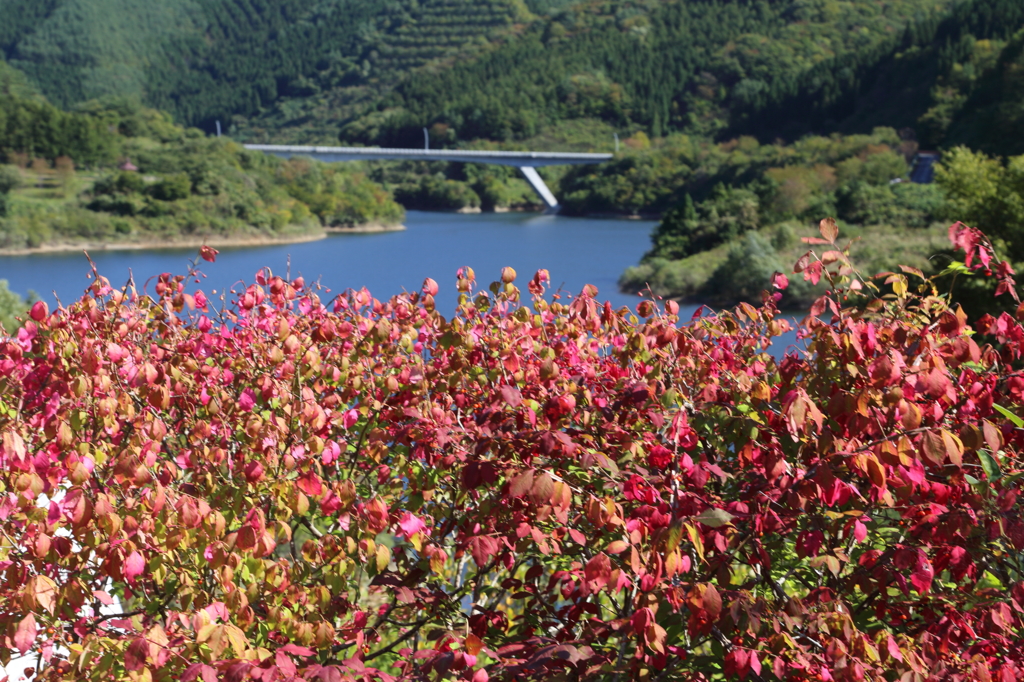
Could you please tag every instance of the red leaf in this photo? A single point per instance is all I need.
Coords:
(482, 547)
(25, 635)
(780, 281)
(208, 253)
(136, 654)
(598, 570)
(813, 272)
(641, 619)
(191, 672)
(310, 484)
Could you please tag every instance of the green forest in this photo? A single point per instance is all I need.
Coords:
(366, 71)
(124, 173)
(741, 122)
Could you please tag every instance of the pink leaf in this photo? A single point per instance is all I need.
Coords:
(893, 648)
(247, 400)
(511, 395)
(780, 281)
(208, 254)
(330, 454)
(134, 565)
(923, 573)
(25, 635)
(296, 650)
(411, 525)
(350, 418)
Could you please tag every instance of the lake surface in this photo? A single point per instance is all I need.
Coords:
(576, 251)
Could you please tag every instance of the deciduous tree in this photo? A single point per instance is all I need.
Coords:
(308, 486)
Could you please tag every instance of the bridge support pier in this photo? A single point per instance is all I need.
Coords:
(537, 183)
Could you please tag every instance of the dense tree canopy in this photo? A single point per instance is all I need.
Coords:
(308, 485)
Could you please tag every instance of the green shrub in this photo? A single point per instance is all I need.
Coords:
(437, 192)
(172, 188)
(747, 271)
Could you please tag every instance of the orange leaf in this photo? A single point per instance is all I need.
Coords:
(473, 644)
(712, 601)
(828, 229)
(876, 472)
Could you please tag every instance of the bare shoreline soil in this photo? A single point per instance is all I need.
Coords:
(218, 242)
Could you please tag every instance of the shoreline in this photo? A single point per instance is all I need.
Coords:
(195, 243)
(366, 228)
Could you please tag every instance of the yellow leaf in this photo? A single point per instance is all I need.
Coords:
(237, 638)
(696, 539)
(383, 557)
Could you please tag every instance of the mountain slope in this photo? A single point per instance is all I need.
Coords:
(199, 59)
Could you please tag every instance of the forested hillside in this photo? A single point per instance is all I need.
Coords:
(377, 72)
(203, 60)
(127, 174)
(659, 66)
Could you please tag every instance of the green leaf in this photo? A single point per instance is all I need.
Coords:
(1014, 419)
(956, 268)
(1013, 478)
(714, 517)
(990, 465)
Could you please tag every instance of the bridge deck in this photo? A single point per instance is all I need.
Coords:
(518, 159)
(526, 162)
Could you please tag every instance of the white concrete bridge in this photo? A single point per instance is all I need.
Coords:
(526, 162)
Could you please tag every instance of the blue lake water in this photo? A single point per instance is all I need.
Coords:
(576, 251)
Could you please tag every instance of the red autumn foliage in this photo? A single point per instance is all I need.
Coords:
(294, 488)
